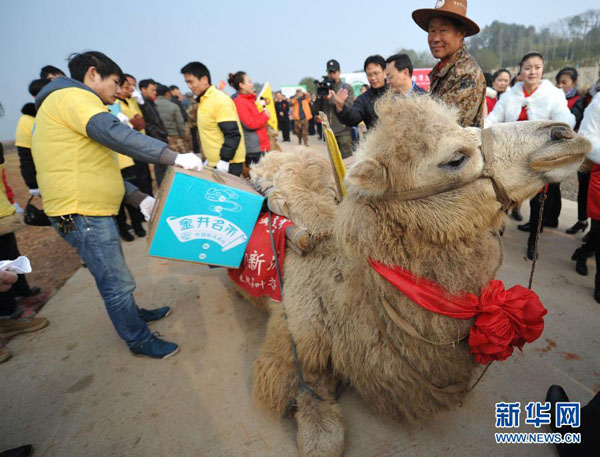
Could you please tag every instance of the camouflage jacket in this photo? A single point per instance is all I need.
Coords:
(460, 82)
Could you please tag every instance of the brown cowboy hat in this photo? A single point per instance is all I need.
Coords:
(455, 9)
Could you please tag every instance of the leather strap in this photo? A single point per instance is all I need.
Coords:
(487, 152)
(449, 389)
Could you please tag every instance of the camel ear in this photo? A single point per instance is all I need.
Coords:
(368, 177)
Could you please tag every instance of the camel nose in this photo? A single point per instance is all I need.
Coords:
(562, 133)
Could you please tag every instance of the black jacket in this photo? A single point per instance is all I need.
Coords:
(154, 124)
(282, 108)
(363, 109)
(577, 111)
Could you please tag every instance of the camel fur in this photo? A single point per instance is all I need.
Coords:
(333, 298)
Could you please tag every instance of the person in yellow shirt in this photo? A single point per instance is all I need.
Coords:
(23, 137)
(75, 142)
(219, 126)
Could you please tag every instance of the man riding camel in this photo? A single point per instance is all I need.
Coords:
(456, 79)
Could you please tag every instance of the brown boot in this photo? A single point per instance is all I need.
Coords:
(12, 327)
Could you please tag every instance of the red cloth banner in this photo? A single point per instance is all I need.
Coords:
(503, 318)
(257, 273)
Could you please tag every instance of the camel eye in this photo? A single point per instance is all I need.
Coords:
(455, 163)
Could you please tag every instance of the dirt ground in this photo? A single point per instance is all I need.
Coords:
(52, 260)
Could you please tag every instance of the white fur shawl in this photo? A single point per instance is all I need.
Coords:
(590, 128)
(547, 103)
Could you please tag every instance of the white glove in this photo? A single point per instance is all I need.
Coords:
(146, 207)
(18, 208)
(189, 161)
(223, 166)
(35, 192)
(124, 119)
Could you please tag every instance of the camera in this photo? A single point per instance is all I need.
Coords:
(324, 86)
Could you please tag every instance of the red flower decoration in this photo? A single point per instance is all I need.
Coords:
(503, 318)
(507, 318)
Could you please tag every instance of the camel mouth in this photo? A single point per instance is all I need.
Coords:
(556, 161)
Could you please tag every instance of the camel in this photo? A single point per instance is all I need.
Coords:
(333, 300)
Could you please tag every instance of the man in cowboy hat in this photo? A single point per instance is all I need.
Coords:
(456, 79)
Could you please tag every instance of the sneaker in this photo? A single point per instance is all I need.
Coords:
(155, 347)
(12, 327)
(152, 315)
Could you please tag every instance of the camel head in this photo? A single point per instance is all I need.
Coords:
(418, 150)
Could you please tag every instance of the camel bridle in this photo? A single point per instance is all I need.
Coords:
(487, 154)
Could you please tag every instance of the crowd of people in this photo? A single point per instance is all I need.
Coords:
(97, 131)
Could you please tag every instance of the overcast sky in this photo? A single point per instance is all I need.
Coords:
(279, 41)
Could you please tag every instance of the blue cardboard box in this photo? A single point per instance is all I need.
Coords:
(205, 217)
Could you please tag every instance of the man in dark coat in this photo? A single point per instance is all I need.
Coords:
(363, 108)
(282, 106)
(154, 125)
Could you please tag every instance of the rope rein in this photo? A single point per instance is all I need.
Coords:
(302, 386)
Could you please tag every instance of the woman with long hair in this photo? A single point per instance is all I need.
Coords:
(254, 122)
(534, 99)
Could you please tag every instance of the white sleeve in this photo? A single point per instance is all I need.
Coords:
(590, 129)
(561, 111)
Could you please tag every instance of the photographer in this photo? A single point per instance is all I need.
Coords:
(364, 106)
(301, 113)
(326, 91)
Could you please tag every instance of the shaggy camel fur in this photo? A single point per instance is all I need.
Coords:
(333, 297)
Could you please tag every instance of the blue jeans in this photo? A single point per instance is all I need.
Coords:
(96, 239)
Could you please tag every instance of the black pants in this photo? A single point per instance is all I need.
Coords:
(553, 204)
(582, 195)
(142, 177)
(590, 424)
(10, 251)
(284, 126)
(159, 173)
(593, 246)
(552, 208)
(136, 216)
(311, 126)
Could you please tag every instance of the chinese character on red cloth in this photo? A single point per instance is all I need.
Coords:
(257, 274)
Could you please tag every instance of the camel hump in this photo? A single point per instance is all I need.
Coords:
(300, 186)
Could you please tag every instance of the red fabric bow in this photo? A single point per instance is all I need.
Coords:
(503, 318)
